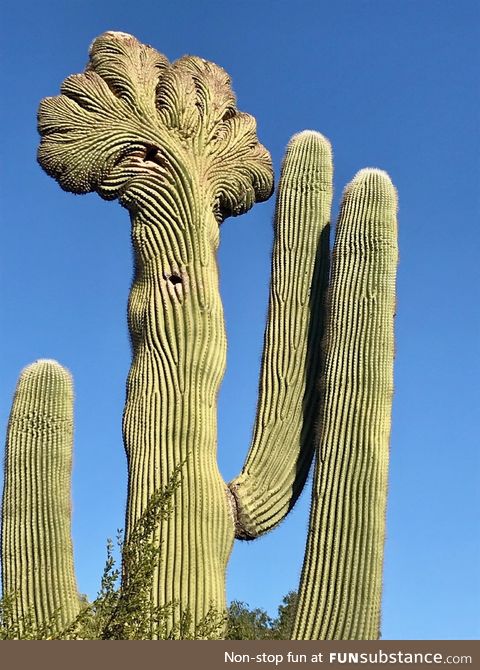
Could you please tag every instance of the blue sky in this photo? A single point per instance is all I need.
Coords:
(393, 84)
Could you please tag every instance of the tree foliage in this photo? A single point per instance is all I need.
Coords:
(256, 624)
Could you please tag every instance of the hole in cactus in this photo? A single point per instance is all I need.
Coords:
(151, 154)
(154, 155)
(175, 279)
(229, 112)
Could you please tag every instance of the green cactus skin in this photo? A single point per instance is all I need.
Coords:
(283, 440)
(37, 554)
(341, 582)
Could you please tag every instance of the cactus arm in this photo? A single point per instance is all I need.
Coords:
(341, 582)
(171, 146)
(36, 547)
(283, 440)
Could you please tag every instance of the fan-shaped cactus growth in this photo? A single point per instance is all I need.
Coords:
(167, 141)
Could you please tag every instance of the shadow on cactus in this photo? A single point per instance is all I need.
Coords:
(168, 142)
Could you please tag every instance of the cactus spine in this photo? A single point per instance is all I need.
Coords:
(37, 555)
(167, 141)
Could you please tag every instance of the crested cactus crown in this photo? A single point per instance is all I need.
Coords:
(133, 116)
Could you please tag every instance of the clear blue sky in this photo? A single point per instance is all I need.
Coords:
(393, 84)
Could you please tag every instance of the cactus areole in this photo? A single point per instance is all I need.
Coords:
(168, 142)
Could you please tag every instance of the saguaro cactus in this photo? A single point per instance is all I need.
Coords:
(37, 555)
(167, 141)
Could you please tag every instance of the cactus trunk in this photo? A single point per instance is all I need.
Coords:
(179, 349)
